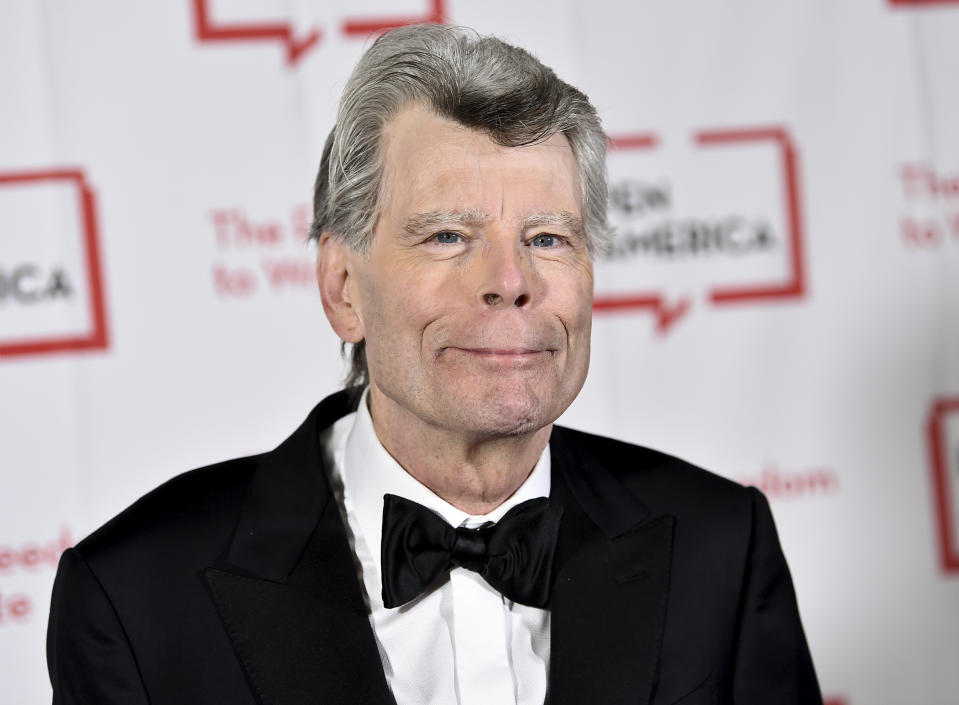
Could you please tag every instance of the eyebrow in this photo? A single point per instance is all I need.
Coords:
(470, 217)
(571, 221)
(418, 222)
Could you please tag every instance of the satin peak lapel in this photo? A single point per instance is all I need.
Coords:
(610, 587)
(295, 616)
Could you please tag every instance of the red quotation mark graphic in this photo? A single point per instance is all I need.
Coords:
(364, 27)
(666, 314)
(939, 459)
(208, 30)
(794, 286)
(97, 338)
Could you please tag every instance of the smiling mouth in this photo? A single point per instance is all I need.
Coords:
(503, 351)
(503, 356)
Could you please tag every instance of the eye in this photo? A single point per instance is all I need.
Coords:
(447, 238)
(545, 240)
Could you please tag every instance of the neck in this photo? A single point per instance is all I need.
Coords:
(474, 473)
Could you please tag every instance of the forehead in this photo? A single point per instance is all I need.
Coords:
(434, 164)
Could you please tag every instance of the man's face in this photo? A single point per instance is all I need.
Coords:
(475, 298)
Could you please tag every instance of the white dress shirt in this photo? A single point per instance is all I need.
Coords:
(462, 643)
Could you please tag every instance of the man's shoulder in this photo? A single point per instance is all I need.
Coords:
(659, 479)
(194, 511)
(199, 509)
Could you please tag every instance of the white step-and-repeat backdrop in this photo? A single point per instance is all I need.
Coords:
(781, 304)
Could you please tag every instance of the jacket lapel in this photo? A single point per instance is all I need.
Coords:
(286, 587)
(610, 587)
(287, 593)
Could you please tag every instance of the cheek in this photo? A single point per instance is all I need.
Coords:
(398, 304)
(574, 296)
(585, 295)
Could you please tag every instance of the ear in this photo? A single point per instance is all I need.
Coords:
(335, 263)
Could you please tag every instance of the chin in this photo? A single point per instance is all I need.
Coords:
(503, 409)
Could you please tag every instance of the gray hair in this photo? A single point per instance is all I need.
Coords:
(479, 82)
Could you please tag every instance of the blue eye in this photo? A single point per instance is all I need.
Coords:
(447, 238)
(544, 240)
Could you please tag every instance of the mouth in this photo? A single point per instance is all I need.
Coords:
(507, 357)
(504, 351)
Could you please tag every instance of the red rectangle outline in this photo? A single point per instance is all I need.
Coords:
(942, 499)
(98, 337)
(795, 286)
(208, 30)
(666, 313)
(356, 27)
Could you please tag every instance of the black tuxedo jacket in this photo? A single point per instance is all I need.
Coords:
(235, 584)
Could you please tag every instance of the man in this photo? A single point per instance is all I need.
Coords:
(399, 546)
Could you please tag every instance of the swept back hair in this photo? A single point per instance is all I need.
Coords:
(479, 82)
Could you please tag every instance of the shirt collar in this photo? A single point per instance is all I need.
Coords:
(369, 472)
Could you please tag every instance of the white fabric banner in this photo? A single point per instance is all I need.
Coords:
(780, 304)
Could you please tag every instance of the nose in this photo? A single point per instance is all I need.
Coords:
(506, 278)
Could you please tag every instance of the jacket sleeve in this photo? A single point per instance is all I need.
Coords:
(88, 654)
(772, 664)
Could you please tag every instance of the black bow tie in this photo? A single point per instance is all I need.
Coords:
(515, 555)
